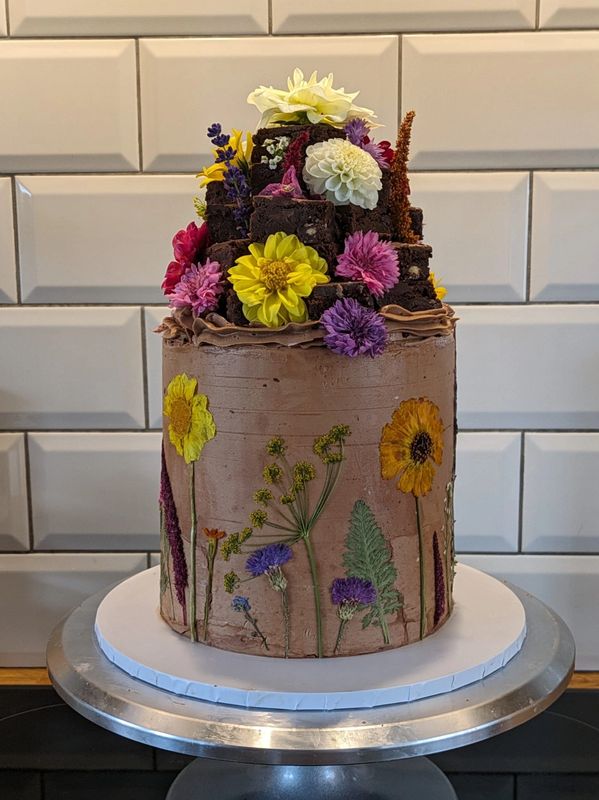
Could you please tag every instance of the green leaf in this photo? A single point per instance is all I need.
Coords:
(368, 556)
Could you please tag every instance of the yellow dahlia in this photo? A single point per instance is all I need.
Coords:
(410, 443)
(191, 425)
(440, 291)
(272, 280)
(243, 155)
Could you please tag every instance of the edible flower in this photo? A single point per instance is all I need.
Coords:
(353, 330)
(199, 288)
(191, 425)
(343, 173)
(369, 259)
(289, 186)
(241, 154)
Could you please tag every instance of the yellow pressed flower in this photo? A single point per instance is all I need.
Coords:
(191, 424)
(440, 291)
(410, 443)
(272, 280)
(243, 155)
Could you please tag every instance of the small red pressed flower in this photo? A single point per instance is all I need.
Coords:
(214, 533)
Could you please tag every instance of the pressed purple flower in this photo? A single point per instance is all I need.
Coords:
(199, 288)
(366, 258)
(173, 532)
(268, 558)
(242, 604)
(356, 591)
(353, 330)
(439, 582)
(357, 130)
(289, 186)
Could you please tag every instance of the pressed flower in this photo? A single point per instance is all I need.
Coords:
(258, 518)
(231, 582)
(368, 259)
(440, 291)
(191, 425)
(173, 533)
(353, 330)
(288, 187)
(268, 558)
(410, 444)
(272, 473)
(439, 581)
(343, 173)
(303, 472)
(199, 288)
(242, 153)
(307, 101)
(276, 446)
(350, 594)
(242, 605)
(272, 280)
(263, 496)
(232, 544)
(214, 533)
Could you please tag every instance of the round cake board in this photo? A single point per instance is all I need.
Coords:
(486, 629)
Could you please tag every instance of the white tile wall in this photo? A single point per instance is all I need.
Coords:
(8, 277)
(503, 100)
(14, 520)
(353, 16)
(528, 366)
(478, 224)
(153, 318)
(119, 229)
(71, 368)
(565, 236)
(37, 590)
(569, 14)
(3, 30)
(68, 511)
(561, 502)
(144, 17)
(569, 584)
(211, 78)
(90, 87)
(487, 492)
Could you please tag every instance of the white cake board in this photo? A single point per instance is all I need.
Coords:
(486, 629)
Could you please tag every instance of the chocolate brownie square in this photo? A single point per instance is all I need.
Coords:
(417, 220)
(326, 295)
(235, 309)
(220, 218)
(413, 296)
(352, 218)
(227, 253)
(413, 260)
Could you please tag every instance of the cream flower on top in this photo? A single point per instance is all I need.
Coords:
(343, 173)
(308, 101)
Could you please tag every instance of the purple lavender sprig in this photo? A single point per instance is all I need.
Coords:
(216, 135)
(235, 182)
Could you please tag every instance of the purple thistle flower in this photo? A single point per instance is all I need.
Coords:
(356, 591)
(268, 558)
(242, 604)
(439, 582)
(173, 532)
(369, 259)
(357, 130)
(199, 288)
(353, 330)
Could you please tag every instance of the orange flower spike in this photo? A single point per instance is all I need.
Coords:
(399, 192)
(214, 533)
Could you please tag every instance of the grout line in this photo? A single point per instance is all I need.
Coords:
(529, 238)
(538, 15)
(7, 14)
(270, 33)
(462, 430)
(521, 492)
(144, 357)
(399, 85)
(112, 551)
(505, 304)
(29, 492)
(17, 249)
(138, 90)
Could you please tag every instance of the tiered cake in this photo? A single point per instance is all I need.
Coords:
(309, 393)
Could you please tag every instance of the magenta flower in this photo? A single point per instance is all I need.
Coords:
(289, 186)
(357, 131)
(366, 258)
(199, 288)
(353, 330)
(188, 242)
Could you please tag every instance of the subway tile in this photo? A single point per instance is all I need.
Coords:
(3, 26)
(77, 367)
(153, 318)
(565, 236)
(144, 17)
(487, 492)
(569, 14)
(92, 124)
(173, 71)
(123, 226)
(502, 100)
(68, 511)
(477, 224)
(568, 584)
(38, 589)
(14, 519)
(352, 16)
(561, 504)
(8, 278)
(527, 366)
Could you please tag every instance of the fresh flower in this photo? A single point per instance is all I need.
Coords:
(191, 424)
(440, 291)
(353, 330)
(410, 443)
(241, 154)
(268, 559)
(199, 288)
(272, 280)
(307, 101)
(343, 173)
(357, 131)
(189, 246)
(366, 258)
(289, 186)
(351, 593)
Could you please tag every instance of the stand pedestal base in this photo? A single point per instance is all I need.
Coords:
(407, 779)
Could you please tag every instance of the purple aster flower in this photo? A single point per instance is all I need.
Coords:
(268, 558)
(173, 533)
(240, 603)
(199, 288)
(357, 130)
(289, 186)
(353, 330)
(356, 591)
(366, 258)
(378, 150)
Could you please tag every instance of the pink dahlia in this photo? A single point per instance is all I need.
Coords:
(366, 258)
(188, 243)
(199, 288)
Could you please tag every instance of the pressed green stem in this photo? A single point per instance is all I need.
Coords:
(254, 625)
(340, 634)
(192, 554)
(383, 624)
(422, 570)
(212, 548)
(316, 590)
(285, 604)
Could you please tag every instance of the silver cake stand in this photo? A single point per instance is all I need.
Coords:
(364, 754)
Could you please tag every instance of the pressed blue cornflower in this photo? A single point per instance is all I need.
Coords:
(352, 590)
(268, 558)
(240, 603)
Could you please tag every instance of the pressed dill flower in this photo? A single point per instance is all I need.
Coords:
(258, 518)
(287, 499)
(231, 582)
(272, 473)
(339, 433)
(276, 446)
(303, 472)
(263, 496)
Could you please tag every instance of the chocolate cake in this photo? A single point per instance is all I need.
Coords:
(308, 456)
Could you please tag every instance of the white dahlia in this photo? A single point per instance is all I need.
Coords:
(343, 173)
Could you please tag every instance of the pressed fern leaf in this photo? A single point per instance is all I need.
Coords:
(367, 556)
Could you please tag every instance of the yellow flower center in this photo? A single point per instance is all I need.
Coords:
(274, 275)
(421, 447)
(181, 417)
